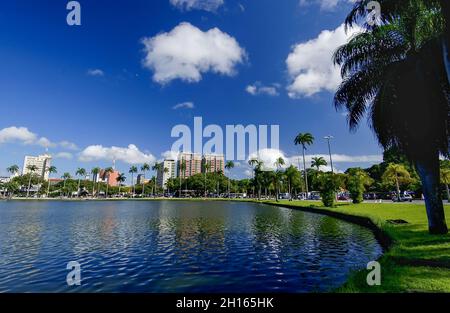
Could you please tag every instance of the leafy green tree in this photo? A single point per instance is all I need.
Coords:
(328, 184)
(357, 182)
(304, 139)
(395, 71)
(50, 170)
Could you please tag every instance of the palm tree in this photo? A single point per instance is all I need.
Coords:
(144, 168)
(304, 139)
(133, 170)
(94, 173)
(13, 169)
(206, 167)
(120, 180)
(65, 177)
(50, 170)
(182, 169)
(254, 162)
(166, 170)
(279, 163)
(157, 167)
(108, 172)
(395, 72)
(31, 169)
(445, 179)
(317, 162)
(81, 172)
(397, 174)
(229, 166)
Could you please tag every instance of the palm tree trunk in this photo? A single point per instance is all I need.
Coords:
(78, 190)
(48, 188)
(398, 186)
(305, 173)
(29, 186)
(429, 175)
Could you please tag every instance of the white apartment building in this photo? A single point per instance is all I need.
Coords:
(42, 162)
(163, 176)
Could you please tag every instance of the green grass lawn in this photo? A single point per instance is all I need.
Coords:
(416, 262)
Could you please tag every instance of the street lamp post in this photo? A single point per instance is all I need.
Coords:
(328, 139)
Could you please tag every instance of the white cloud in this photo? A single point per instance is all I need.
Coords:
(206, 5)
(45, 142)
(268, 157)
(130, 154)
(95, 72)
(68, 145)
(187, 52)
(310, 65)
(63, 155)
(259, 89)
(184, 105)
(17, 134)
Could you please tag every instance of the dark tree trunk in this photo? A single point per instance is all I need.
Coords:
(430, 176)
(446, 40)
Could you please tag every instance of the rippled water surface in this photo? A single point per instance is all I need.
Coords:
(176, 247)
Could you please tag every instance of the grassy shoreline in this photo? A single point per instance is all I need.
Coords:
(413, 261)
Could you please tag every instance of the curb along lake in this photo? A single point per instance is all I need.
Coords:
(176, 246)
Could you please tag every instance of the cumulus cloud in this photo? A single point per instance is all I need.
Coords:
(23, 135)
(95, 72)
(186, 52)
(310, 65)
(129, 155)
(268, 157)
(184, 105)
(206, 5)
(68, 145)
(63, 155)
(259, 89)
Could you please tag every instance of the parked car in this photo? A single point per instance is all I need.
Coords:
(403, 198)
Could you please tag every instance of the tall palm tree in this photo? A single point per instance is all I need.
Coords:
(157, 167)
(166, 170)
(229, 165)
(254, 162)
(65, 177)
(304, 139)
(182, 169)
(279, 163)
(31, 169)
(397, 174)
(81, 172)
(317, 162)
(395, 72)
(206, 167)
(108, 171)
(120, 180)
(50, 170)
(144, 168)
(133, 170)
(94, 173)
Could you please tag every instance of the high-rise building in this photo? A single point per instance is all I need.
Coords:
(164, 175)
(215, 162)
(42, 163)
(193, 164)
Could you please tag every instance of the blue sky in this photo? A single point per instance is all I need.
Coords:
(90, 85)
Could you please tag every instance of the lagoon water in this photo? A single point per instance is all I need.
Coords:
(176, 246)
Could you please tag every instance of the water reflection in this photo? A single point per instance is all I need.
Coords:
(176, 247)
